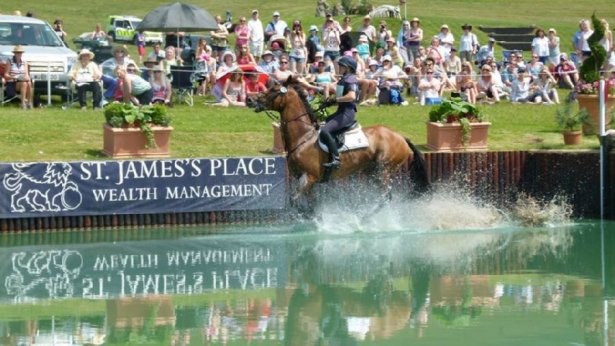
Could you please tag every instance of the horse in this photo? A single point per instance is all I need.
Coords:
(387, 152)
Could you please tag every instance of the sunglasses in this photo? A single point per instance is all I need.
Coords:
(157, 71)
(242, 21)
(283, 62)
(131, 70)
(429, 72)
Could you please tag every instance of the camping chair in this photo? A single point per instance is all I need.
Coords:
(182, 83)
(7, 89)
(506, 55)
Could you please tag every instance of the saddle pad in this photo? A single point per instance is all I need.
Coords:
(354, 139)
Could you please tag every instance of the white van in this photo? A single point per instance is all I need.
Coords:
(46, 54)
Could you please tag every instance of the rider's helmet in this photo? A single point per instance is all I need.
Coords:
(348, 62)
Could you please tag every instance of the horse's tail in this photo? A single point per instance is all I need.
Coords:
(418, 170)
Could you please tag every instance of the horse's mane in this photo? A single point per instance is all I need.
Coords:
(306, 104)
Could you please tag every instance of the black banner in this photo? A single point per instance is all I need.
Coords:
(140, 187)
(132, 269)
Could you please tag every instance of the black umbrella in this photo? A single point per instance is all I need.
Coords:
(178, 17)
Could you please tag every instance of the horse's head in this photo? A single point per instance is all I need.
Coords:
(275, 97)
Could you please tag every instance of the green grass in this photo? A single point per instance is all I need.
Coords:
(200, 131)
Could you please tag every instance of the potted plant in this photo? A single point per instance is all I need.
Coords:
(456, 124)
(587, 88)
(131, 131)
(570, 122)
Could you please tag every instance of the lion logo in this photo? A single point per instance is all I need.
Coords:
(46, 191)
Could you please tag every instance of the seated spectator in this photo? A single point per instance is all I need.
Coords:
(276, 49)
(156, 53)
(486, 85)
(161, 86)
(544, 85)
(520, 90)
(372, 68)
(508, 75)
(390, 74)
(170, 59)
(415, 75)
(17, 75)
(429, 87)
(119, 59)
(268, 62)
(99, 33)
(324, 79)
(422, 53)
(466, 87)
(452, 64)
(393, 51)
(233, 91)
(146, 72)
(380, 53)
(86, 76)
(282, 73)
(566, 73)
(227, 62)
(253, 88)
(534, 66)
(520, 61)
(134, 89)
(497, 81)
(244, 57)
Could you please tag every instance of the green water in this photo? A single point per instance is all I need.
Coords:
(267, 286)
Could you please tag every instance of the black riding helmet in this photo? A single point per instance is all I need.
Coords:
(348, 62)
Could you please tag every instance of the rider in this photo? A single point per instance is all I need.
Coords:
(346, 98)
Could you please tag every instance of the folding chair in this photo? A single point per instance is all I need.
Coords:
(506, 55)
(7, 92)
(182, 83)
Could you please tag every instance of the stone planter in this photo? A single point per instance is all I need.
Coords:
(592, 104)
(573, 137)
(131, 142)
(448, 136)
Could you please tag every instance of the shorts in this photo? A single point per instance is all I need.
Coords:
(332, 55)
(586, 53)
(256, 49)
(219, 49)
(141, 50)
(297, 59)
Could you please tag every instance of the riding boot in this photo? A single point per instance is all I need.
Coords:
(327, 138)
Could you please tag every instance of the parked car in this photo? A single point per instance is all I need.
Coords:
(48, 57)
(191, 45)
(125, 28)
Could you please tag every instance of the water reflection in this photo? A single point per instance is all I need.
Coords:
(498, 287)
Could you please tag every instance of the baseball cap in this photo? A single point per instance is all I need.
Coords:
(254, 11)
(521, 70)
(276, 14)
(313, 28)
(491, 39)
(387, 58)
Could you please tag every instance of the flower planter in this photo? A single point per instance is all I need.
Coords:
(573, 137)
(278, 144)
(448, 136)
(592, 104)
(131, 142)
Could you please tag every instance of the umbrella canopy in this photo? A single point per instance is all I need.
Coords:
(178, 17)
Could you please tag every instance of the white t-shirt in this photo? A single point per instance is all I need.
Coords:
(540, 46)
(520, 90)
(279, 27)
(446, 46)
(434, 87)
(257, 34)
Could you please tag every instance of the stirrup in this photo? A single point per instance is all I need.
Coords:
(334, 164)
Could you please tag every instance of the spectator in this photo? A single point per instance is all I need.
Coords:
(534, 66)
(468, 44)
(368, 29)
(576, 38)
(540, 46)
(30, 14)
(486, 51)
(253, 88)
(509, 74)
(429, 87)
(363, 47)
(141, 45)
(452, 64)
(161, 86)
(586, 32)
(157, 53)
(244, 57)
(414, 76)
(277, 49)
(98, 33)
(384, 35)
(149, 66)
(120, 58)
(345, 27)
(422, 53)
(315, 38)
(466, 86)
(331, 40)
(17, 74)
(446, 39)
(324, 79)
(566, 73)
(544, 86)
(57, 27)
(17, 13)
(268, 63)
(219, 40)
(233, 91)
(520, 90)
(393, 51)
(390, 74)
(336, 24)
(170, 59)
(486, 85)
(554, 50)
(298, 51)
(86, 76)
(227, 62)
(275, 27)
(257, 35)
(242, 33)
(435, 51)
(175, 39)
(135, 89)
(607, 43)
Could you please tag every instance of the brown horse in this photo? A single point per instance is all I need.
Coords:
(386, 154)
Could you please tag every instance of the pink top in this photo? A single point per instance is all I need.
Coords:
(242, 32)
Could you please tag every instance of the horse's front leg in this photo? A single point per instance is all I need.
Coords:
(304, 188)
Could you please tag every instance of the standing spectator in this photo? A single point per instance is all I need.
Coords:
(98, 33)
(30, 14)
(576, 38)
(315, 38)
(554, 50)
(86, 76)
(468, 44)
(298, 52)
(219, 40)
(345, 27)
(157, 53)
(410, 37)
(257, 35)
(540, 46)
(586, 31)
(446, 39)
(141, 45)
(242, 32)
(59, 29)
(384, 35)
(331, 40)
(175, 39)
(607, 43)
(336, 24)
(486, 51)
(17, 13)
(368, 29)
(275, 27)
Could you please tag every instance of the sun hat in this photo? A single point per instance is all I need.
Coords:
(119, 48)
(267, 52)
(157, 68)
(313, 28)
(444, 26)
(354, 50)
(563, 56)
(491, 39)
(466, 26)
(372, 62)
(254, 11)
(86, 51)
(486, 67)
(276, 14)
(553, 30)
(415, 19)
(228, 52)
(390, 39)
(367, 17)
(387, 58)
(150, 60)
(18, 49)
(363, 38)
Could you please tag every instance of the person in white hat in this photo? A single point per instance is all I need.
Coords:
(86, 76)
(268, 62)
(554, 50)
(363, 47)
(446, 39)
(368, 29)
(257, 35)
(276, 27)
(17, 71)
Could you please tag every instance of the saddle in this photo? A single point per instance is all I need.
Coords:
(348, 138)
